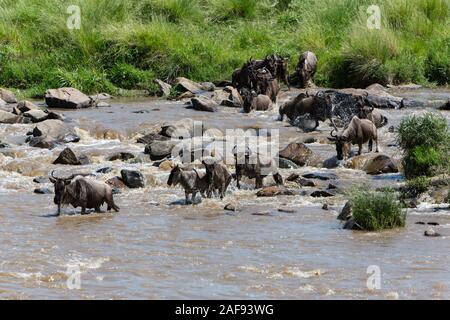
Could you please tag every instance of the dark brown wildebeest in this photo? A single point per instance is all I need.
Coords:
(254, 101)
(358, 131)
(306, 68)
(218, 177)
(255, 167)
(191, 181)
(318, 106)
(79, 191)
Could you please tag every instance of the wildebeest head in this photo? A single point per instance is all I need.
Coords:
(60, 185)
(210, 165)
(175, 176)
(281, 68)
(342, 144)
(247, 97)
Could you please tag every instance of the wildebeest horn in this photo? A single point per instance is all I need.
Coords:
(52, 174)
(331, 133)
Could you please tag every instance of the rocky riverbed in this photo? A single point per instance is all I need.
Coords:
(280, 243)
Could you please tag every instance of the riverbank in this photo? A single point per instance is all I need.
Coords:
(125, 44)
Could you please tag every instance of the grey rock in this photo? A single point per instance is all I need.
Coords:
(132, 178)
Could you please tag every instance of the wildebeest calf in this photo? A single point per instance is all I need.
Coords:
(192, 182)
(218, 177)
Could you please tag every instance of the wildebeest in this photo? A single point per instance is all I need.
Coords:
(266, 84)
(370, 113)
(306, 68)
(318, 106)
(254, 101)
(358, 131)
(82, 192)
(255, 166)
(218, 177)
(191, 181)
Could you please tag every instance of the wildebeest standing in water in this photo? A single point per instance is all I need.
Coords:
(255, 166)
(254, 101)
(306, 68)
(359, 131)
(370, 113)
(191, 181)
(218, 177)
(79, 191)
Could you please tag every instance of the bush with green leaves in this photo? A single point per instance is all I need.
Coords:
(376, 210)
(425, 140)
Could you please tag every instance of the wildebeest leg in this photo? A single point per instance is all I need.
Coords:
(59, 210)
(237, 180)
(258, 182)
(370, 144)
(359, 148)
(376, 145)
(317, 124)
(186, 194)
(111, 204)
(194, 194)
(83, 210)
(97, 210)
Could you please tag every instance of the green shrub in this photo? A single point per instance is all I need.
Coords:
(415, 187)
(128, 77)
(376, 210)
(425, 141)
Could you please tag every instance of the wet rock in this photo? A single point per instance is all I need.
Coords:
(274, 191)
(321, 194)
(183, 85)
(140, 111)
(132, 178)
(331, 186)
(298, 153)
(321, 176)
(8, 117)
(166, 165)
(420, 222)
(55, 116)
(431, 233)
(445, 106)
(346, 212)
(228, 97)
(232, 207)
(183, 127)
(116, 183)
(309, 140)
(306, 183)
(377, 87)
(325, 206)
(104, 170)
(208, 86)
(2, 103)
(286, 164)
(41, 180)
(433, 223)
(36, 115)
(380, 164)
(163, 88)
(103, 104)
(4, 145)
(204, 104)
(159, 150)
(331, 163)
(186, 95)
(25, 106)
(122, 156)
(263, 214)
(68, 157)
(293, 177)
(286, 210)
(42, 191)
(101, 96)
(68, 98)
(42, 142)
(7, 96)
(70, 138)
(55, 129)
(352, 225)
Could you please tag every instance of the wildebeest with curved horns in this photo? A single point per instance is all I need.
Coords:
(82, 192)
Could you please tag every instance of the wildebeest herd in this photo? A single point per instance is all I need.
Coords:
(258, 84)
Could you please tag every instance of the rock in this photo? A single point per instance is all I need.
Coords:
(67, 98)
(116, 183)
(346, 212)
(286, 164)
(321, 176)
(352, 225)
(54, 116)
(25, 106)
(298, 153)
(286, 210)
(70, 137)
(132, 179)
(377, 87)
(122, 156)
(2, 103)
(4, 145)
(101, 96)
(104, 170)
(8, 117)
(42, 142)
(309, 140)
(163, 88)
(331, 186)
(232, 207)
(159, 150)
(431, 233)
(321, 194)
(433, 223)
(228, 97)
(293, 177)
(380, 164)
(325, 206)
(186, 95)
(445, 106)
(42, 191)
(182, 85)
(208, 86)
(306, 183)
(68, 157)
(204, 104)
(166, 165)
(7, 96)
(274, 191)
(41, 180)
(140, 111)
(55, 129)
(331, 163)
(182, 127)
(149, 138)
(36, 115)
(103, 104)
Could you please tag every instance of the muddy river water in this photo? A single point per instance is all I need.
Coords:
(157, 247)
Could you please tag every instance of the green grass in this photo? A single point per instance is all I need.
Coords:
(376, 210)
(425, 141)
(124, 44)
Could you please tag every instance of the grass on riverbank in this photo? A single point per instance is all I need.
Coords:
(127, 43)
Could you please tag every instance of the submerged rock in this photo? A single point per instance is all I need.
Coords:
(380, 164)
(42, 191)
(445, 106)
(322, 194)
(232, 207)
(68, 157)
(346, 212)
(431, 233)
(132, 178)
(159, 150)
(274, 191)
(204, 104)
(68, 98)
(4, 145)
(298, 153)
(321, 176)
(122, 156)
(149, 138)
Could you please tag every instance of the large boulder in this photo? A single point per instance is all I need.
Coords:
(228, 97)
(9, 117)
(163, 88)
(159, 150)
(42, 142)
(67, 156)
(67, 98)
(149, 138)
(373, 163)
(24, 106)
(55, 129)
(182, 85)
(7, 96)
(298, 153)
(204, 104)
(132, 179)
(2, 103)
(36, 115)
